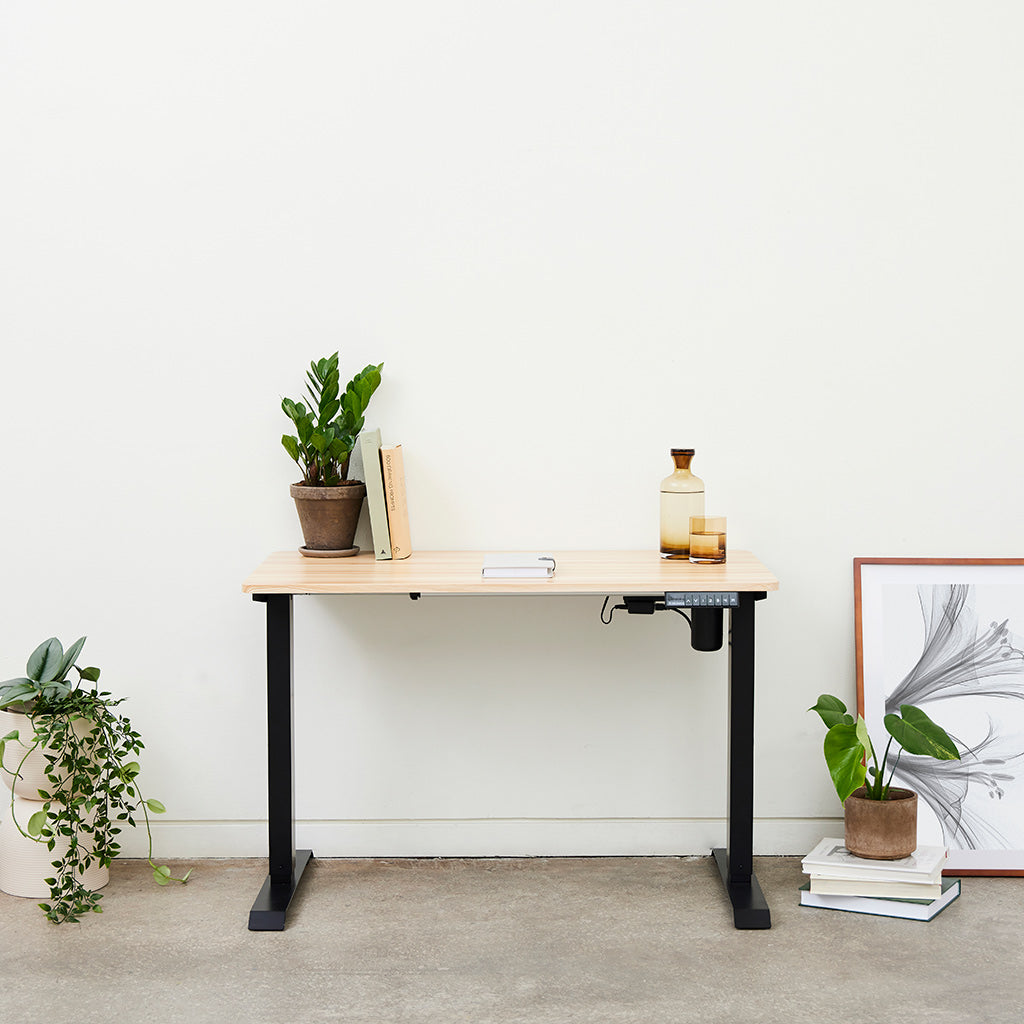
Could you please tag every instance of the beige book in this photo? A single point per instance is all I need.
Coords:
(394, 497)
(861, 887)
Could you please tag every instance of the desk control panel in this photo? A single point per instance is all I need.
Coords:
(701, 599)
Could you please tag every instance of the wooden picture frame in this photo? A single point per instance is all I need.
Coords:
(947, 635)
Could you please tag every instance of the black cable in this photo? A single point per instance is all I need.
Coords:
(659, 606)
(684, 615)
(615, 608)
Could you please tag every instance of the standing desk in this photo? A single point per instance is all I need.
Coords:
(646, 582)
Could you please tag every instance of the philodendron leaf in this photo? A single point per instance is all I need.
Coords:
(155, 806)
(832, 710)
(162, 874)
(918, 734)
(69, 657)
(44, 662)
(844, 756)
(91, 674)
(865, 740)
(16, 690)
(36, 823)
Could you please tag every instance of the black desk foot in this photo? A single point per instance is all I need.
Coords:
(749, 908)
(271, 906)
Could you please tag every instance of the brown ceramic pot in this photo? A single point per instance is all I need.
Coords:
(881, 829)
(328, 515)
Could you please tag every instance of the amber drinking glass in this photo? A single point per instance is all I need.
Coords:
(707, 539)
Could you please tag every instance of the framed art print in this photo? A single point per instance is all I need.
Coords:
(947, 635)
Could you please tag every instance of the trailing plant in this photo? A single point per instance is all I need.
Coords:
(326, 432)
(848, 746)
(90, 750)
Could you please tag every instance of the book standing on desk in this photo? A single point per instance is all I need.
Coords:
(369, 446)
(393, 469)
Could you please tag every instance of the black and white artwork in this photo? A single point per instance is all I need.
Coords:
(948, 637)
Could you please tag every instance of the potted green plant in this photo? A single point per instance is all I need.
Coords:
(880, 819)
(328, 503)
(71, 756)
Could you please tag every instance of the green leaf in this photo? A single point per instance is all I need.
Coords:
(832, 710)
(162, 874)
(69, 657)
(155, 806)
(918, 734)
(91, 674)
(319, 442)
(305, 427)
(36, 823)
(865, 740)
(291, 445)
(844, 756)
(45, 660)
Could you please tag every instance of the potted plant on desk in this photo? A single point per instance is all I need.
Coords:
(328, 503)
(880, 819)
(69, 759)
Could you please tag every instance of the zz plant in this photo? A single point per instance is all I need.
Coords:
(90, 750)
(848, 746)
(326, 432)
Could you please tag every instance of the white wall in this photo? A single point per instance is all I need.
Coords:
(577, 233)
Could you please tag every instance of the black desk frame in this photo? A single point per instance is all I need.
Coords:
(286, 864)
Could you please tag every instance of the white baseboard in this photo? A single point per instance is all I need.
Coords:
(482, 837)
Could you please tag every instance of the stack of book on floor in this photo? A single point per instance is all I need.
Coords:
(912, 887)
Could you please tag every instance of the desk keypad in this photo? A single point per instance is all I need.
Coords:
(701, 599)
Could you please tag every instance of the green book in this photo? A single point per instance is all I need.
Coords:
(369, 447)
(909, 909)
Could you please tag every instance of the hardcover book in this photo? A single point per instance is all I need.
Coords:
(914, 889)
(830, 857)
(909, 909)
(393, 469)
(369, 446)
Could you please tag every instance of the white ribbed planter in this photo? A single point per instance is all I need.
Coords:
(24, 863)
(31, 770)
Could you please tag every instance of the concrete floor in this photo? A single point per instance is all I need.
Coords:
(535, 940)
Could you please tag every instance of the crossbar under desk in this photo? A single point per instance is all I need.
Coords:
(598, 573)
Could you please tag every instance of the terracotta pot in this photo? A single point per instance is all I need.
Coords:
(328, 516)
(881, 829)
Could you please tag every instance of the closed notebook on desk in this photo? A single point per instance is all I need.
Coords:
(513, 564)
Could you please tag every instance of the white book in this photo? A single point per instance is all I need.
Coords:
(911, 910)
(514, 564)
(831, 857)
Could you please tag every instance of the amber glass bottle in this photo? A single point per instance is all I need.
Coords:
(682, 496)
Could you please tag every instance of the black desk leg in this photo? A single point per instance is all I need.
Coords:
(735, 862)
(286, 864)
